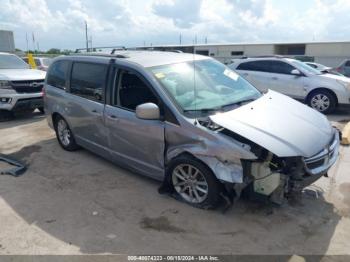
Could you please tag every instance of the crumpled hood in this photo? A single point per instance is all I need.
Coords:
(21, 74)
(279, 124)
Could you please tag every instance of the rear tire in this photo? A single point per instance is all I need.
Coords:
(194, 182)
(323, 101)
(64, 134)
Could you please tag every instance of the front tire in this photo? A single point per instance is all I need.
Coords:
(194, 182)
(323, 101)
(64, 135)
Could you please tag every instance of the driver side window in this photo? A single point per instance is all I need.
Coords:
(130, 91)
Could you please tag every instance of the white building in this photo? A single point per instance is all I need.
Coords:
(7, 42)
(327, 53)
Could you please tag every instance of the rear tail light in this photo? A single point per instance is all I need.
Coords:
(338, 69)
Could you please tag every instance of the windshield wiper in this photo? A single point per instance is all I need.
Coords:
(204, 110)
(239, 102)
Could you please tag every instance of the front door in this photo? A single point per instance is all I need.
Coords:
(134, 142)
(283, 81)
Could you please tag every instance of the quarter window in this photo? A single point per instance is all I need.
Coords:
(57, 74)
(88, 80)
(347, 63)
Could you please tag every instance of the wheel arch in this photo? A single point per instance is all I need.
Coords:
(222, 171)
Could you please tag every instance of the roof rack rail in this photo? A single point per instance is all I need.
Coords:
(102, 54)
(263, 56)
(93, 49)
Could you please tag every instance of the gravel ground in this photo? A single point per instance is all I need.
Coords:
(79, 203)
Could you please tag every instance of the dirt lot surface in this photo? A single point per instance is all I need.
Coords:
(74, 203)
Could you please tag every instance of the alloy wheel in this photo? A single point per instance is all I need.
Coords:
(190, 183)
(63, 132)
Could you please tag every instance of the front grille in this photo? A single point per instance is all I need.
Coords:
(322, 158)
(28, 86)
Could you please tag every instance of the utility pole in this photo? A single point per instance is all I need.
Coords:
(180, 40)
(195, 39)
(206, 40)
(90, 42)
(86, 37)
(27, 42)
(33, 38)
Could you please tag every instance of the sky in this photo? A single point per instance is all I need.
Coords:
(60, 23)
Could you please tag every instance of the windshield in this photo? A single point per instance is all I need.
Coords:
(305, 68)
(12, 62)
(204, 85)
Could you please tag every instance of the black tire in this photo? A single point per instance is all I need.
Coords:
(69, 144)
(212, 199)
(324, 94)
(41, 109)
(6, 115)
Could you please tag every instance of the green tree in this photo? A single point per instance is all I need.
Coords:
(53, 51)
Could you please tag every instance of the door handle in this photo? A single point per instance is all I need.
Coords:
(274, 78)
(245, 74)
(112, 116)
(94, 111)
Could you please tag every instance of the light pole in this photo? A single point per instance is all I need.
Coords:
(86, 37)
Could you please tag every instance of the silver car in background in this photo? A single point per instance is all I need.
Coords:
(322, 91)
(190, 122)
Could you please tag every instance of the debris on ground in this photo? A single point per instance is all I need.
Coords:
(346, 135)
(11, 167)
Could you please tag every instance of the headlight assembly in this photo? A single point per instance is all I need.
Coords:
(4, 84)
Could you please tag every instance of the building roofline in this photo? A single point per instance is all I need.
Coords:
(244, 43)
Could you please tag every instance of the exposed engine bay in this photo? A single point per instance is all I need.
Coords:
(268, 177)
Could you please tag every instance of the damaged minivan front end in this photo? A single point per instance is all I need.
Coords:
(270, 153)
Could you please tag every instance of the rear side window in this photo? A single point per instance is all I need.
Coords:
(347, 63)
(268, 66)
(260, 66)
(88, 80)
(57, 74)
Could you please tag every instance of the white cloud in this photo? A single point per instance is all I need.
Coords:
(60, 23)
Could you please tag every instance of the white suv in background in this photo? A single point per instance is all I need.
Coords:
(322, 91)
(20, 86)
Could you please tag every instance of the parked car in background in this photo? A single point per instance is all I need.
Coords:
(190, 122)
(322, 91)
(20, 86)
(42, 63)
(323, 68)
(344, 68)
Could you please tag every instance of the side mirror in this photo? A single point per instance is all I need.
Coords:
(149, 111)
(296, 72)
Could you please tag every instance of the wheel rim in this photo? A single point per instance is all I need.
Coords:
(190, 183)
(63, 132)
(320, 102)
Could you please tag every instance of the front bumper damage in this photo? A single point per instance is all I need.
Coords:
(245, 167)
(279, 178)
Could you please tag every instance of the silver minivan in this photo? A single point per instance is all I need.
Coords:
(190, 122)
